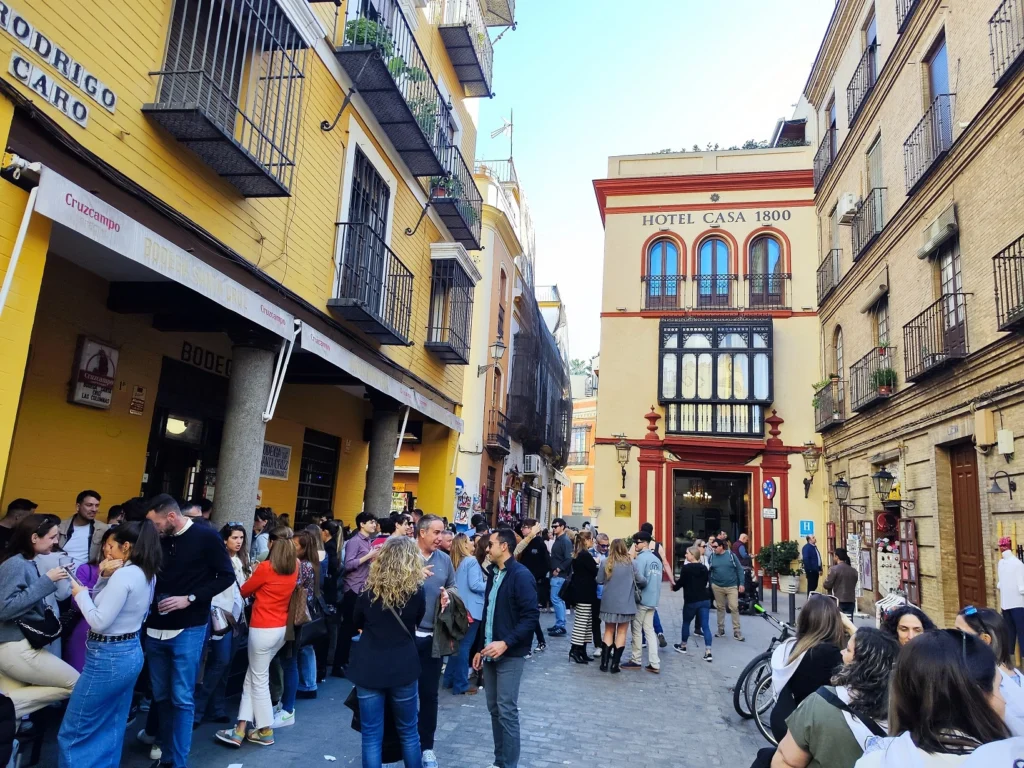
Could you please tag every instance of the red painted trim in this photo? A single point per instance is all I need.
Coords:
(776, 313)
(721, 234)
(784, 503)
(786, 246)
(682, 207)
(676, 239)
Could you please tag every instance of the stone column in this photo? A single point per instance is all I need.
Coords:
(380, 470)
(241, 448)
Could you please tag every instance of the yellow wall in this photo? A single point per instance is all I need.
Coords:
(437, 480)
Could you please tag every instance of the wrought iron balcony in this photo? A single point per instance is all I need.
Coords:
(499, 13)
(904, 11)
(469, 46)
(929, 141)
(863, 81)
(868, 221)
(230, 90)
(579, 458)
(457, 200)
(660, 292)
(502, 171)
(828, 273)
(825, 155)
(937, 337)
(374, 288)
(830, 406)
(714, 291)
(768, 291)
(497, 433)
(1008, 266)
(380, 54)
(1006, 37)
(577, 507)
(451, 312)
(873, 378)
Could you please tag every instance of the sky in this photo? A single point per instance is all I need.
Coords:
(588, 79)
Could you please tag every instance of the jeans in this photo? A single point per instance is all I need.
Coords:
(558, 603)
(173, 667)
(430, 676)
(658, 629)
(700, 609)
(211, 692)
(501, 686)
(1015, 626)
(403, 700)
(456, 674)
(289, 660)
(848, 608)
(255, 706)
(643, 621)
(307, 668)
(92, 733)
(727, 596)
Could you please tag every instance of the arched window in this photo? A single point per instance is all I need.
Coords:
(765, 273)
(713, 278)
(496, 390)
(502, 287)
(837, 345)
(662, 278)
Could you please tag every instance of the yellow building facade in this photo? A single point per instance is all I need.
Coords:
(234, 239)
(708, 346)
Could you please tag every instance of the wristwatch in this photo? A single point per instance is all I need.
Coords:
(191, 598)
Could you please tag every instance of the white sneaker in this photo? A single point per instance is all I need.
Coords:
(429, 759)
(155, 753)
(283, 719)
(145, 738)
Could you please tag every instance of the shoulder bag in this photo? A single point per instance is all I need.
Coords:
(638, 593)
(839, 704)
(40, 632)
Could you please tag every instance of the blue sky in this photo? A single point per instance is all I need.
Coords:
(593, 78)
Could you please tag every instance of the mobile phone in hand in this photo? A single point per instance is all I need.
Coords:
(71, 575)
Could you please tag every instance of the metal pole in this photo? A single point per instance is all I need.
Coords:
(760, 585)
(792, 601)
(775, 593)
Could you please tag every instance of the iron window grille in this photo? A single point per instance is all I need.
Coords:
(868, 221)
(1008, 269)
(318, 470)
(716, 378)
(451, 312)
(829, 273)
(930, 140)
(863, 81)
(826, 154)
(662, 292)
(1006, 38)
(497, 432)
(231, 90)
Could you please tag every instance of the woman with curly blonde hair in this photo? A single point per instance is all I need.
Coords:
(384, 663)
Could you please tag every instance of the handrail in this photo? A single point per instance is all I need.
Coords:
(458, 12)
(863, 81)
(872, 377)
(936, 336)
(1006, 38)
(1008, 272)
(828, 273)
(930, 140)
(372, 274)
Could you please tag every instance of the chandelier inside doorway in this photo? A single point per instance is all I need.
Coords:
(697, 494)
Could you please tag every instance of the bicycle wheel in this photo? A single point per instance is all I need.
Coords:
(762, 704)
(747, 681)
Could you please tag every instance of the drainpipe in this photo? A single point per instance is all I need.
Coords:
(17, 165)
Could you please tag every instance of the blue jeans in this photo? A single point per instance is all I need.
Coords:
(501, 687)
(701, 609)
(92, 733)
(456, 674)
(173, 667)
(558, 603)
(307, 668)
(404, 701)
(211, 692)
(290, 667)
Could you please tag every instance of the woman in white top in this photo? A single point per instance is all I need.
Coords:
(92, 733)
(991, 627)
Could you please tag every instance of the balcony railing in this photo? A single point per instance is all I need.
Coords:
(714, 291)
(768, 291)
(873, 378)
(374, 288)
(457, 200)
(830, 406)
(825, 155)
(1008, 266)
(929, 141)
(868, 221)
(904, 11)
(828, 273)
(577, 507)
(469, 46)
(497, 432)
(864, 78)
(451, 312)
(499, 13)
(1006, 37)
(661, 292)
(380, 54)
(937, 337)
(578, 458)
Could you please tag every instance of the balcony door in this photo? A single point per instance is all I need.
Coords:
(766, 279)
(875, 181)
(713, 276)
(663, 275)
(365, 249)
(954, 311)
(938, 91)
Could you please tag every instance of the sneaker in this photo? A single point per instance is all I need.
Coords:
(541, 647)
(719, 634)
(228, 736)
(630, 665)
(155, 753)
(263, 736)
(144, 705)
(283, 719)
(277, 708)
(707, 656)
(429, 759)
(662, 642)
(306, 694)
(529, 655)
(680, 648)
(739, 637)
(145, 738)
(556, 631)
(655, 670)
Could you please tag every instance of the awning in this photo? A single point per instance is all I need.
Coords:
(939, 231)
(879, 288)
(338, 355)
(560, 477)
(64, 202)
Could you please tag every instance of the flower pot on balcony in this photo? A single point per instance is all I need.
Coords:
(885, 391)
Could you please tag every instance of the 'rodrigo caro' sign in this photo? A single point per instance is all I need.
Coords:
(45, 84)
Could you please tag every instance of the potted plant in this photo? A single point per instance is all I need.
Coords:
(445, 186)
(367, 32)
(777, 560)
(816, 400)
(883, 379)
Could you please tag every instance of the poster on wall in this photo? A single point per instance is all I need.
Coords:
(92, 376)
(853, 550)
(866, 577)
(275, 461)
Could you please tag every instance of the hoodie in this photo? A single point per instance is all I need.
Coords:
(783, 670)
(901, 752)
(1011, 688)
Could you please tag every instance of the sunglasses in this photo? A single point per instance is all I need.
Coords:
(234, 523)
(963, 639)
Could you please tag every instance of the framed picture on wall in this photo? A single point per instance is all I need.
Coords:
(867, 534)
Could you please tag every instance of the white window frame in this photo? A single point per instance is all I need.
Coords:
(447, 96)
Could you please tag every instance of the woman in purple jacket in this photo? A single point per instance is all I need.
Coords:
(89, 574)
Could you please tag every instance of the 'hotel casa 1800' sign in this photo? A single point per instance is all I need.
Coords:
(765, 216)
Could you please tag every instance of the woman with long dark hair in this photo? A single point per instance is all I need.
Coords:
(92, 733)
(583, 595)
(991, 627)
(907, 622)
(944, 703)
(832, 726)
(618, 603)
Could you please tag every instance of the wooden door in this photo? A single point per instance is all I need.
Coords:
(970, 553)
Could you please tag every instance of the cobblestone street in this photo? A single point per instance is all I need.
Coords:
(572, 715)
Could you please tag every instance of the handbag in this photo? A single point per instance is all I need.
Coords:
(565, 591)
(316, 627)
(220, 622)
(638, 594)
(40, 632)
(298, 610)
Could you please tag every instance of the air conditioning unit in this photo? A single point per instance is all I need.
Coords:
(847, 207)
(531, 464)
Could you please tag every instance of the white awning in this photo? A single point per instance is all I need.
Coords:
(879, 288)
(942, 228)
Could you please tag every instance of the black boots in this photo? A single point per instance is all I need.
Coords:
(616, 658)
(606, 654)
(578, 654)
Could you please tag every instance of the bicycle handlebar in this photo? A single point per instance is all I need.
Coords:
(772, 620)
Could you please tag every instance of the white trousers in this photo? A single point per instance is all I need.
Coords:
(255, 706)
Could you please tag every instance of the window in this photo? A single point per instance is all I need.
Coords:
(577, 493)
(767, 282)
(882, 322)
(838, 350)
(662, 275)
(940, 97)
(952, 286)
(317, 473)
(716, 378)
(871, 46)
(579, 440)
(938, 70)
(451, 311)
(713, 278)
(491, 475)
(496, 390)
(501, 322)
(833, 131)
(502, 287)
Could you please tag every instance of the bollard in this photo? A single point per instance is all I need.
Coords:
(792, 602)
(775, 593)
(760, 587)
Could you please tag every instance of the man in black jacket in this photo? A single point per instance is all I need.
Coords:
(510, 610)
(561, 562)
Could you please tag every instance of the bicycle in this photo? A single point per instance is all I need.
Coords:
(759, 668)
